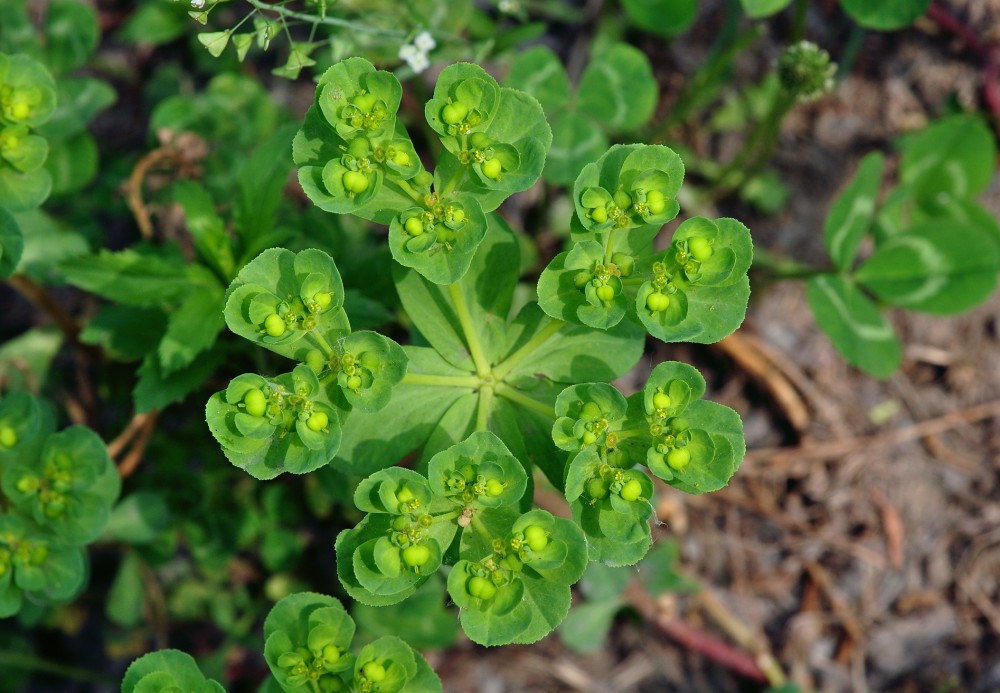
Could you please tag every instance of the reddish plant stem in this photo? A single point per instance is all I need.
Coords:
(705, 644)
(986, 52)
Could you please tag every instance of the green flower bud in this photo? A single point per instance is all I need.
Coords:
(401, 159)
(404, 494)
(28, 484)
(365, 102)
(661, 400)
(492, 168)
(331, 684)
(536, 537)
(274, 326)
(622, 199)
(606, 293)
(699, 248)
(597, 489)
(358, 148)
(413, 226)
(582, 278)
(373, 671)
(8, 437)
(455, 215)
(315, 360)
(657, 302)
(454, 113)
(481, 588)
(655, 202)
(631, 490)
(423, 179)
(678, 458)
(254, 402)
(588, 438)
(318, 421)
(625, 263)
(494, 487)
(806, 71)
(479, 140)
(355, 182)
(416, 555)
(599, 215)
(354, 382)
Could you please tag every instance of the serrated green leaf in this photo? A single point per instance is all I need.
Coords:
(191, 328)
(167, 669)
(128, 277)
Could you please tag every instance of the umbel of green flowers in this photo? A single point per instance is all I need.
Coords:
(27, 100)
(57, 493)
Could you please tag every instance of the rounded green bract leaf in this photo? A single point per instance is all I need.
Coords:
(357, 99)
(27, 91)
(478, 472)
(302, 291)
(167, 670)
(439, 241)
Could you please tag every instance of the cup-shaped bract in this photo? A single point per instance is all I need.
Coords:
(358, 100)
(70, 488)
(586, 414)
(35, 564)
(478, 472)
(290, 303)
(439, 239)
(27, 91)
(167, 670)
(269, 426)
(21, 150)
(629, 187)
(307, 636)
(367, 366)
(581, 287)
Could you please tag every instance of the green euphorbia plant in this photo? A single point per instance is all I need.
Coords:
(502, 386)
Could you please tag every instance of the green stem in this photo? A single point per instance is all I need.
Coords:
(542, 336)
(455, 180)
(323, 345)
(630, 433)
(609, 245)
(442, 380)
(518, 397)
(636, 280)
(327, 20)
(448, 516)
(756, 150)
(22, 660)
(471, 338)
(407, 189)
(483, 410)
(799, 25)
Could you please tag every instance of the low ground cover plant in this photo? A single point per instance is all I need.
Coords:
(346, 357)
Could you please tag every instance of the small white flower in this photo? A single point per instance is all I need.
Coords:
(419, 62)
(509, 6)
(424, 42)
(198, 4)
(408, 51)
